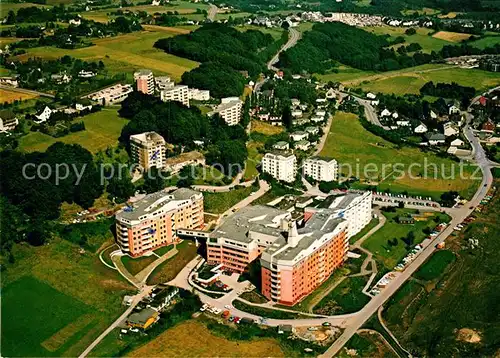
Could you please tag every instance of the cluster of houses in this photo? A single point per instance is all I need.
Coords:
(79, 106)
(147, 312)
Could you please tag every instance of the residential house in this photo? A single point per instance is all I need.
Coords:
(299, 135)
(163, 298)
(457, 142)
(86, 74)
(175, 164)
(488, 127)
(8, 121)
(320, 113)
(143, 319)
(395, 115)
(385, 113)
(44, 115)
(450, 129)
(61, 78)
(303, 145)
(312, 130)
(317, 119)
(453, 109)
(433, 114)
(435, 138)
(330, 94)
(296, 113)
(420, 129)
(370, 95)
(375, 102)
(403, 123)
(281, 145)
(295, 102)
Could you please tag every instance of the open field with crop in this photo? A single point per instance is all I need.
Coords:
(451, 36)
(126, 53)
(390, 255)
(8, 6)
(102, 130)
(11, 96)
(194, 339)
(354, 146)
(428, 43)
(487, 41)
(57, 299)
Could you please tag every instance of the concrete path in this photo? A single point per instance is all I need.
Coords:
(379, 315)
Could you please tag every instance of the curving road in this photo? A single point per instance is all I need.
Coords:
(458, 215)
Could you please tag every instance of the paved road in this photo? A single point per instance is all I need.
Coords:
(326, 131)
(293, 37)
(27, 91)
(370, 112)
(458, 215)
(212, 12)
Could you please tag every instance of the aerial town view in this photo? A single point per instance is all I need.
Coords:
(250, 178)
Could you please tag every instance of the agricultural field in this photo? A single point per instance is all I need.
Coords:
(422, 37)
(184, 340)
(451, 36)
(344, 74)
(11, 96)
(401, 83)
(390, 255)
(8, 6)
(58, 299)
(102, 130)
(487, 41)
(274, 32)
(355, 147)
(126, 53)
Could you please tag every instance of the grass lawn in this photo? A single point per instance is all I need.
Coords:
(265, 312)
(163, 250)
(254, 297)
(395, 311)
(352, 145)
(435, 266)
(254, 158)
(11, 96)
(217, 203)
(137, 264)
(391, 255)
(347, 297)
(57, 300)
(367, 345)
(374, 222)
(171, 268)
(102, 130)
(193, 339)
(126, 53)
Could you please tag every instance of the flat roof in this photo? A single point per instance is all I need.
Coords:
(154, 201)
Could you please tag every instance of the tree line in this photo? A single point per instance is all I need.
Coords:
(448, 90)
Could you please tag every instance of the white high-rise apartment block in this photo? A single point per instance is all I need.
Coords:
(163, 83)
(179, 93)
(145, 81)
(148, 150)
(230, 109)
(280, 165)
(321, 168)
(354, 207)
(199, 95)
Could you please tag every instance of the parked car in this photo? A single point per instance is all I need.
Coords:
(326, 324)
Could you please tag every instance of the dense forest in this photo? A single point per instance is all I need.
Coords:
(448, 90)
(223, 51)
(180, 125)
(327, 44)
